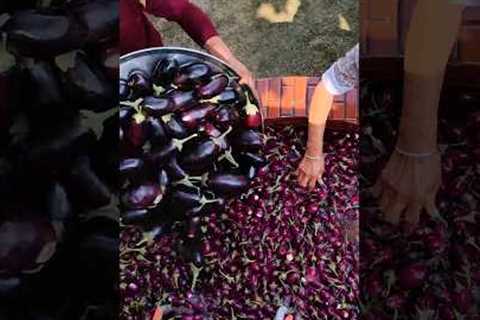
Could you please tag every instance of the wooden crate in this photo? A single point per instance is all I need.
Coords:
(287, 98)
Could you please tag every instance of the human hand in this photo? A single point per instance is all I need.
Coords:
(408, 184)
(310, 171)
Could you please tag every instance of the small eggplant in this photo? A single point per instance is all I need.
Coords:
(123, 90)
(165, 71)
(35, 34)
(227, 184)
(111, 63)
(228, 96)
(144, 196)
(135, 217)
(85, 85)
(183, 100)
(157, 107)
(252, 119)
(192, 74)
(216, 86)
(156, 133)
(139, 84)
(193, 117)
(174, 127)
(250, 140)
(160, 156)
(99, 18)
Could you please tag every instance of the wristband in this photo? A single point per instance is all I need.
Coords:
(313, 158)
(414, 154)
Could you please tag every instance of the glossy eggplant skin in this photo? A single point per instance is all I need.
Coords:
(174, 170)
(158, 107)
(139, 84)
(135, 217)
(159, 157)
(227, 184)
(226, 116)
(199, 155)
(216, 86)
(175, 128)
(156, 133)
(130, 168)
(34, 34)
(143, 196)
(165, 71)
(123, 90)
(99, 18)
(251, 140)
(87, 87)
(194, 116)
(183, 200)
(192, 74)
(45, 85)
(183, 100)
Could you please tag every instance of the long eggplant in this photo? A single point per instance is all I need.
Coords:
(183, 100)
(161, 155)
(216, 86)
(100, 18)
(46, 87)
(130, 168)
(86, 86)
(184, 200)
(158, 107)
(174, 127)
(229, 96)
(192, 74)
(193, 117)
(37, 34)
(174, 170)
(139, 84)
(227, 184)
(144, 196)
(123, 90)
(165, 71)
(250, 140)
(156, 133)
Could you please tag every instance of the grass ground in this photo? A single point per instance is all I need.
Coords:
(307, 46)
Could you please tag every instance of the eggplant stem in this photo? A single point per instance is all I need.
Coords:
(229, 156)
(158, 90)
(178, 143)
(196, 273)
(135, 104)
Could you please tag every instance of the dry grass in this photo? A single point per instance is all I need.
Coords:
(307, 46)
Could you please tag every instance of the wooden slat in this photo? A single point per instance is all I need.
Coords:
(469, 44)
(287, 100)
(382, 27)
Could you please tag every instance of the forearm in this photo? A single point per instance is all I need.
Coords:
(217, 47)
(320, 108)
(426, 57)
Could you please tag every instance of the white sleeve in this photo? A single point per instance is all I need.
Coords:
(342, 76)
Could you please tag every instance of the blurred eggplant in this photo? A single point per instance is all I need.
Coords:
(84, 186)
(100, 18)
(9, 90)
(191, 118)
(9, 287)
(123, 90)
(39, 34)
(192, 74)
(250, 140)
(12, 6)
(111, 63)
(227, 184)
(216, 86)
(157, 107)
(86, 86)
(47, 89)
(58, 205)
(143, 196)
(165, 71)
(156, 133)
(139, 84)
(135, 217)
(182, 100)
(174, 127)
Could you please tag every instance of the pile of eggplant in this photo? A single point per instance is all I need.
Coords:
(191, 137)
(58, 229)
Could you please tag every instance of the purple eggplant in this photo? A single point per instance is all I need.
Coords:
(229, 96)
(99, 18)
(135, 217)
(174, 127)
(187, 200)
(86, 86)
(130, 168)
(227, 184)
(37, 34)
(147, 195)
(252, 118)
(45, 84)
(58, 206)
(157, 107)
(182, 100)
(216, 86)
(111, 63)
(139, 84)
(192, 74)
(250, 140)
(161, 155)
(156, 133)
(226, 116)
(247, 159)
(194, 116)
(123, 90)
(174, 170)
(165, 71)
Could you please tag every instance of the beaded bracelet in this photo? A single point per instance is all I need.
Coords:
(313, 158)
(414, 154)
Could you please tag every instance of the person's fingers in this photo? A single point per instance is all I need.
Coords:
(302, 180)
(312, 183)
(430, 206)
(412, 214)
(394, 210)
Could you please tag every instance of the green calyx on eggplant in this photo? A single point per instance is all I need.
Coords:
(160, 156)
(252, 118)
(190, 75)
(37, 34)
(139, 84)
(165, 71)
(174, 127)
(99, 18)
(84, 84)
(188, 200)
(193, 117)
(249, 140)
(227, 184)
(143, 196)
(213, 88)
(201, 155)
(229, 96)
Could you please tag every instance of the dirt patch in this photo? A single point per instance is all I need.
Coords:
(307, 46)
